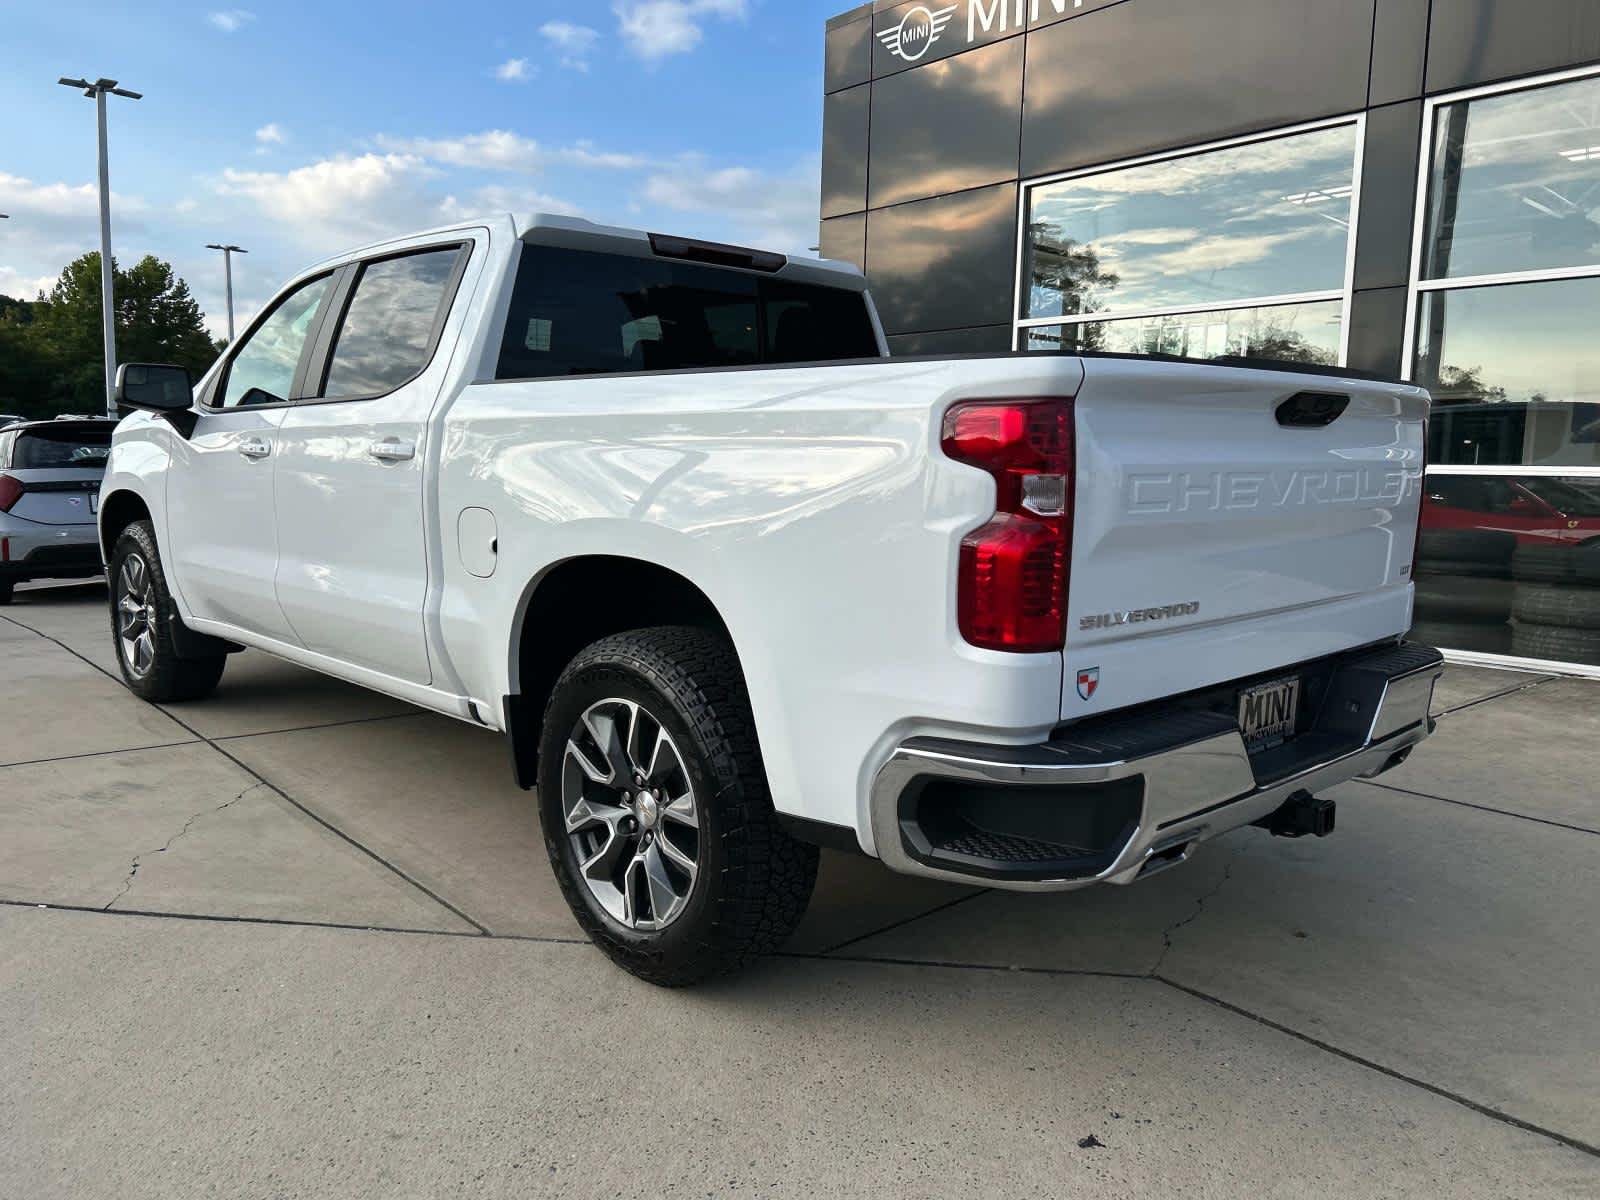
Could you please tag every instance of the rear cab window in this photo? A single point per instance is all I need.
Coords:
(587, 312)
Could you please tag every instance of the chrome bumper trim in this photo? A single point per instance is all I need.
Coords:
(1193, 792)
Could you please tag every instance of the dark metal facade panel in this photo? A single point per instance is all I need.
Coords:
(1148, 75)
(1377, 330)
(948, 126)
(1048, 12)
(1481, 41)
(1388, 195)
(1399, 50)
(845, 118)
(848, 60)
(983, 339)
(944, 263)
(845, 239)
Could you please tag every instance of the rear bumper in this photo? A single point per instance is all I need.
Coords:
(38, 551)
(1117, 799)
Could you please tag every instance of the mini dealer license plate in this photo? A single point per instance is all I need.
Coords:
(1267, 713)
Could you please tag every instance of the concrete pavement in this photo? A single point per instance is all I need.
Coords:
(303, 940)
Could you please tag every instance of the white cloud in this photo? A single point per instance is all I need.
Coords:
(771, 210)
(655, 29)
(514, 70)
(338, 202)
(503, 150)
(499, 198)
(574, 41)
(493, 149)
(24, 287)
(230, 20)
(271, 134)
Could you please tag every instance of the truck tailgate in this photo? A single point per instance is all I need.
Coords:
(1224, 527)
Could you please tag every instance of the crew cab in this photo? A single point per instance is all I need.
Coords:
(736, 584)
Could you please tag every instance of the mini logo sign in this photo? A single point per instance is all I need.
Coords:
(918, 29)
(1088, 681)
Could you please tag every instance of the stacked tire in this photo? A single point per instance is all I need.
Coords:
(1556, 610)
(1465, 592)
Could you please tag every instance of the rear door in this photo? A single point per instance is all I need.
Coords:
(352, 531)
(1230, 521)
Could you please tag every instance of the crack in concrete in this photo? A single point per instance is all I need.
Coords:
(1199, 911)
(138, 859)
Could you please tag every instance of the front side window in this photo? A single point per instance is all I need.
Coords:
(262, 372)
(387, 335)
(1204, 254)
(579, 312)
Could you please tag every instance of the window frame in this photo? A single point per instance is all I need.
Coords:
(1417, 287)
(1344, 294)
(317, 354)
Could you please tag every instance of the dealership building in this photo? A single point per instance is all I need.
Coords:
(1406, 187)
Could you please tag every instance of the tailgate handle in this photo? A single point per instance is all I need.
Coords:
(1312, 410)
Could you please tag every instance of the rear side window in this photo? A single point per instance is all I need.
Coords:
(390, 324)
(61, 448)
(579, 312)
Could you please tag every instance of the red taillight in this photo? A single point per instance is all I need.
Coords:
(11, 490)
(1012, 590)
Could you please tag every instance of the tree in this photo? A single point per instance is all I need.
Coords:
(51, 350)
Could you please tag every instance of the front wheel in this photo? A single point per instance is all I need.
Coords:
(656, 812)
(142, 613)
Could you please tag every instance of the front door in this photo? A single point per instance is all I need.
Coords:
(352, 571)
(221, 535)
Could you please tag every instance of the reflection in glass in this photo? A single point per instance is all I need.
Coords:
(1514, 372)
(263, 370)
(1296, 333)
(1516, 182)
(388, 328)
(1265, 219)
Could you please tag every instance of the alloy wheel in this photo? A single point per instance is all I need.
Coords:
(631, 815)
(136, 616)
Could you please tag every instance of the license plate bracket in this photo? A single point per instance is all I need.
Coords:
(1268, 712)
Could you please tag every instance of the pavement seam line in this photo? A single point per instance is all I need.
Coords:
(34, 762)
(138, 859)
(1499, 812)
(237, 737)
(1500, 695)
(289, 922)
(1484, 1110)
(892, 925)
(482, 929)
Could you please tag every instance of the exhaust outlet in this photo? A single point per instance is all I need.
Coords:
(1301, 814)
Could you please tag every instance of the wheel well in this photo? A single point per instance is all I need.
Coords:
(119, 510)
(576, 603)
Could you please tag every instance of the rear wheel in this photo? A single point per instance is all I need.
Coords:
(142, 613)
(656, 813)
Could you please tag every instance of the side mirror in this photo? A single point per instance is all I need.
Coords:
(157, 388)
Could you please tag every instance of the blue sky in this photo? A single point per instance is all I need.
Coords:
(297, 129)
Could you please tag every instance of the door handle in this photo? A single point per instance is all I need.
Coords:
(255, 447)
(392, 450)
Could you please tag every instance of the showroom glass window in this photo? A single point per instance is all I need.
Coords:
(1242, 249)
(1506, 336)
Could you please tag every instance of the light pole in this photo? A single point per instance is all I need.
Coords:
(227, 277)
(97, 91)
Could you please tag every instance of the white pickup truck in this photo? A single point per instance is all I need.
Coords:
(736, 584)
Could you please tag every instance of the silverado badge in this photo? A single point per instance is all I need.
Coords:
(1088, 680)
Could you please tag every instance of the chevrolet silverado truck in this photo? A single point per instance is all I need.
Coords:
(735, 584)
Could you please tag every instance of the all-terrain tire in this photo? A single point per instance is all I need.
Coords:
(1467, 545)
(1461, 635)
(164, 676)
(753, 880)
(1558, 604)
(1464, 600)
